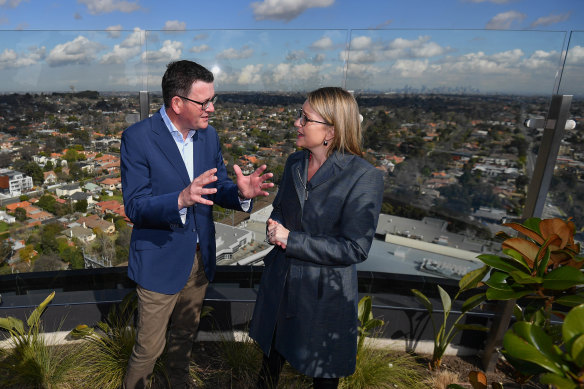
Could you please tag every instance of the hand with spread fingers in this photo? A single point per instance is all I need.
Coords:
(254, 184)
(194, 192)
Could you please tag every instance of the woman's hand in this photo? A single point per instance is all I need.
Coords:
(277, 234)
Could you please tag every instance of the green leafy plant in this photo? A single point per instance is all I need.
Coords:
(543, 266)
(379, 367)
(532, 350)
(445, 332)
(110, 346)
(29, 362)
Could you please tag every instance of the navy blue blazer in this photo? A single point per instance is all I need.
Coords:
(162, 248)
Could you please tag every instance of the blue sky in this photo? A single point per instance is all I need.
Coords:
(493, 46)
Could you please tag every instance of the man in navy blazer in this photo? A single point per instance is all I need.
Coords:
(172, 174)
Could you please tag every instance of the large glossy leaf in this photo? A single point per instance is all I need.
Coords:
(557, 381)
(424, 300)
(519, 348)
(525, 279)
(517, 256)
(35, 316)
(504, 264)
(471, 279)
(577, 350)
(473, 302)
(525, 247)
(495, 294)
(529, 228)
(535, 336)
(542, 265)
(446, 302)
(571, 300)
(563, 277)
(364, 309)
(564, 231)
(573, 324)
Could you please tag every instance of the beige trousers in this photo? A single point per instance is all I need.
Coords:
(183, 309)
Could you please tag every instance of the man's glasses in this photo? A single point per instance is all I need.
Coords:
(205, 104)
(304, 119)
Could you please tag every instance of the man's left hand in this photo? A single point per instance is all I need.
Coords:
(253, 185)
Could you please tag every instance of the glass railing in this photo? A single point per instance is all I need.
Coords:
(444, 114)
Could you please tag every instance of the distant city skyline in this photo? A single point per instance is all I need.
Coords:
(490, 46)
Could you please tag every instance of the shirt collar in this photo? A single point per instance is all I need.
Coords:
(170, 125)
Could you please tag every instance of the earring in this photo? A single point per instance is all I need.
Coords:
(325, 142)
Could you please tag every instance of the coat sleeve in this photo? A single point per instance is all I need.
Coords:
(351, 245)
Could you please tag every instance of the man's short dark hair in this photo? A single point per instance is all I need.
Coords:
(179, 78)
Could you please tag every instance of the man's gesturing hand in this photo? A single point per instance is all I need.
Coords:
(253, 185)
(195, 191)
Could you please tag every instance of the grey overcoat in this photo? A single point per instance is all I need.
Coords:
(308, 292)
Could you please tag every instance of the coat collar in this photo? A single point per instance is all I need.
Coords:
(333, 165)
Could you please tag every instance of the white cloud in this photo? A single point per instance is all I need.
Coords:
(541, 59)
(97, 7)
(10, 3)
(360, 43)
(11, 59)
(232, 53)
(78, 51)
(114, 31)
(285, 9)
(284, 72)
(250, 74)
(199, 37)
(129, 48)
(576, 56)
(199, 49)
(410, 68)
(324, 43)
(170, 51)
(318, 59)
(504, 20)
(551, 19)
(174, 25)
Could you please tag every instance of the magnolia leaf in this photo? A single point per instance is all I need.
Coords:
(538, 338)
(471, 279)
(577, 351)
(495, 294)
(542, 265)
(519, 348)
(558, 381)
(573, 324)
(518, 312)
(446, 302)
(518, 257)
(473, 302)
(504, 264)
(563, 277)
(35, 316)
(423, 299)
(524, 279)
(477, 379)
(559, 228)
(455, 386)
(529, 228)
(526, 248)
(571, 300)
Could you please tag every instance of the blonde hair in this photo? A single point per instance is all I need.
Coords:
(339, 108)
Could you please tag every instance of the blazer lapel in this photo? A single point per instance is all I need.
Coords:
(168, 147)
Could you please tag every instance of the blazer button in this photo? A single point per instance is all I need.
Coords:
(194, 230)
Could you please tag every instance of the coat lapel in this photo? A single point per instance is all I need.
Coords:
(168, 147)
(299, 177)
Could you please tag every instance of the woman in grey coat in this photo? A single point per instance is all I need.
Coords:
(324, 219)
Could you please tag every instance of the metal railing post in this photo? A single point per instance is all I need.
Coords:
(144, 104)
